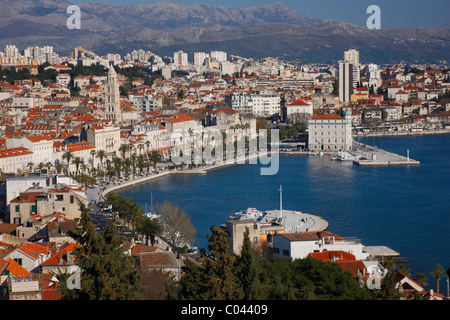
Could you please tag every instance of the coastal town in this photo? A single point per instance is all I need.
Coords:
(76, 128)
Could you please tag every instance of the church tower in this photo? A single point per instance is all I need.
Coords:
(112, 97)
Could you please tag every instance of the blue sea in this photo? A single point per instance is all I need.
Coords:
(406, 208)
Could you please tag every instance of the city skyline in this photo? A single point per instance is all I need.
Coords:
(394, 14)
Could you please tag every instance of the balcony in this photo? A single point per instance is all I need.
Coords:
(24, 283)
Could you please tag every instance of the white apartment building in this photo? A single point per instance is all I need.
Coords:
(220, 56)
(199, 58)
(330, 132)
(180, 58)
(227, 67)
(352, 56)
(258, 103)
(300, 245)
(145, 102)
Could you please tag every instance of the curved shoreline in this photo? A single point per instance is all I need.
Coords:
(201, 170)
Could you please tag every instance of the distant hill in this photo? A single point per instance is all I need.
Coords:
(164, 27)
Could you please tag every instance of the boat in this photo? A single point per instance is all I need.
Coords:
(344, 156)
(249, 214)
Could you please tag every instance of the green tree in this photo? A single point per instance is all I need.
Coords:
(107, 273)
(150, 227)
(438, 272)
(249, 272)
(421, 279)
(219, 279)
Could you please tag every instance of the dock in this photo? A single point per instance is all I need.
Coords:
(373, 156)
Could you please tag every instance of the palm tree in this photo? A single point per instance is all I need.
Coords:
(147, 143)
(140, 147)
(123, 148)
(117, 162)
(48, 165)
(155, 157)
(68, 155)
(421, 279)
(30, 165)
(101, 154)
(404, 269)
(130, 147)
(389, 263)
(149, 227)
(77, 161)
(93, 154)
(59, 168)
(437, 272)
(133, 159)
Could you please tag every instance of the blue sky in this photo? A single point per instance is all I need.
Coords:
(394, 13)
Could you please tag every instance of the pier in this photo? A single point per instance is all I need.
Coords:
(373, 156)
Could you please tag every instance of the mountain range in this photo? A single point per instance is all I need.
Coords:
(165, 27)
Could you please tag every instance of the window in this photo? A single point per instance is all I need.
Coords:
(59, 197)
(18, 261)
(255, 227)
(71, 199)
(286, 252)
(255, 239)
(17, 208)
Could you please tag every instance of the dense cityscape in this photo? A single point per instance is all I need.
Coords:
(75, 129)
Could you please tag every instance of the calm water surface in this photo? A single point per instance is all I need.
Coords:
(404, 208)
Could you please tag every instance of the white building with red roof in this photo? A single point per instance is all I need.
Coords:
(300, 245)
(40, 146)
(13, 160)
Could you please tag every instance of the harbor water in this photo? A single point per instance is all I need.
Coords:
(406, 208)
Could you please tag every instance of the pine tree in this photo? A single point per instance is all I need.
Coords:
(219, 277)
(107, 273)
(249, 272)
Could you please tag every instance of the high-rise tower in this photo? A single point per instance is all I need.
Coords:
(345, 81)
(112, 97)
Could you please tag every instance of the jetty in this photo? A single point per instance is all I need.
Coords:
(373, 156)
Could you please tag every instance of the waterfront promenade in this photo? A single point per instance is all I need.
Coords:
(99, 193)
(400, 133)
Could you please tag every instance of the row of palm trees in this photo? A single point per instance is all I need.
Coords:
(87, 173)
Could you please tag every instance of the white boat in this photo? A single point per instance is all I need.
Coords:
(344, 156)
(250, 213)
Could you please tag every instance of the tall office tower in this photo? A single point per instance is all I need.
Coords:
(112, 97)
(180, 58)
(345, 81)
(352, 56)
